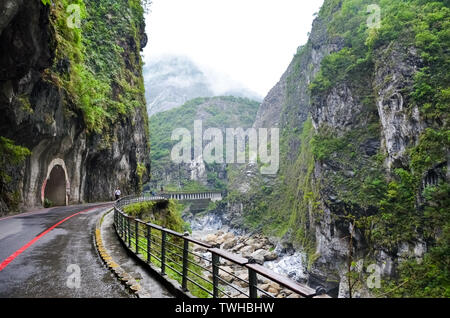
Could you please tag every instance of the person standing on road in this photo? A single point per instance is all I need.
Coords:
(117, 194)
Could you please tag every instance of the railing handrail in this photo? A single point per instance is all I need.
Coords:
(124, 232)
(192, 192)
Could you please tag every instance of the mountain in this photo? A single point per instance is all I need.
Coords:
(171, 81)
(214, 112)
(363, 185)
(74, 124)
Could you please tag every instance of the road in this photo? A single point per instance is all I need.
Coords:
(40, 257)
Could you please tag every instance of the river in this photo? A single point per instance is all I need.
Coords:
(289, 263)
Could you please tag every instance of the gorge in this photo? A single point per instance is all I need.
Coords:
(362, 111)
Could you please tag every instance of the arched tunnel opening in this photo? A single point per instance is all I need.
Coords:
(55, 188)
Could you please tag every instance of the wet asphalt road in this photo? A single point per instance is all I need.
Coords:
(42, 269)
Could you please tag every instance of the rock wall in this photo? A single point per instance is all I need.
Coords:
(39, 113)
(401, 126)
(365, 124)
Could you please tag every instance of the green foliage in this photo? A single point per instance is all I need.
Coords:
(166, 214)
(325, 145)
(432, 149)
(47, 203)
(349, 22)
(432, 82)
(194, 273)
(401, 218)
(11, 155)
(335, 68)
(139, 209)
(423, 24)
(429, 277)
(212, 206)
(283, 209)
(140, 172)
(397, 223)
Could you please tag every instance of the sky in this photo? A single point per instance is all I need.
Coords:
(250, 41)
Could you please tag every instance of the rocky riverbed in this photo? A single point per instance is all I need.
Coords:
(256, 247)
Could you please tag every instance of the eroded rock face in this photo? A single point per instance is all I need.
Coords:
(401, 122)
(38, 114)
(342, 110)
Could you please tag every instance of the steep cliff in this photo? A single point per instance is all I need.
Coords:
(72, 93)
(363, 113)
(214, 112)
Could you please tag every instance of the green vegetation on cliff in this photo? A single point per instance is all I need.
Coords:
(282, 209)
(11, 155)
(98, 61)
(403, 216)
(166, 214)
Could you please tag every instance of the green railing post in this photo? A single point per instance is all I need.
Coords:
(119, 222)
(136, 234)
(185, 264)
(163, 253)
(129, 233)
(149, 243)
(252, 283)
(215, 272)
(122, 226)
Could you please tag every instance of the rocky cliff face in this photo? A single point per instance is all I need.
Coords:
(402, 125)
(353, 139)
(46, 109)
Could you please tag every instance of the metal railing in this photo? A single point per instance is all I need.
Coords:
(200, 268)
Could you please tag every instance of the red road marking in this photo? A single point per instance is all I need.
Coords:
(26, 246)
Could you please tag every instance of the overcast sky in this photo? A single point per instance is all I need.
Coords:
(251, 41)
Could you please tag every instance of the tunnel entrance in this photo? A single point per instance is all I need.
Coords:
(55, 187)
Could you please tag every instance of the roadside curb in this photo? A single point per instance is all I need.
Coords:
(132, 285)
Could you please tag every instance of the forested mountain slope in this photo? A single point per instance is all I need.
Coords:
(215, 112)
